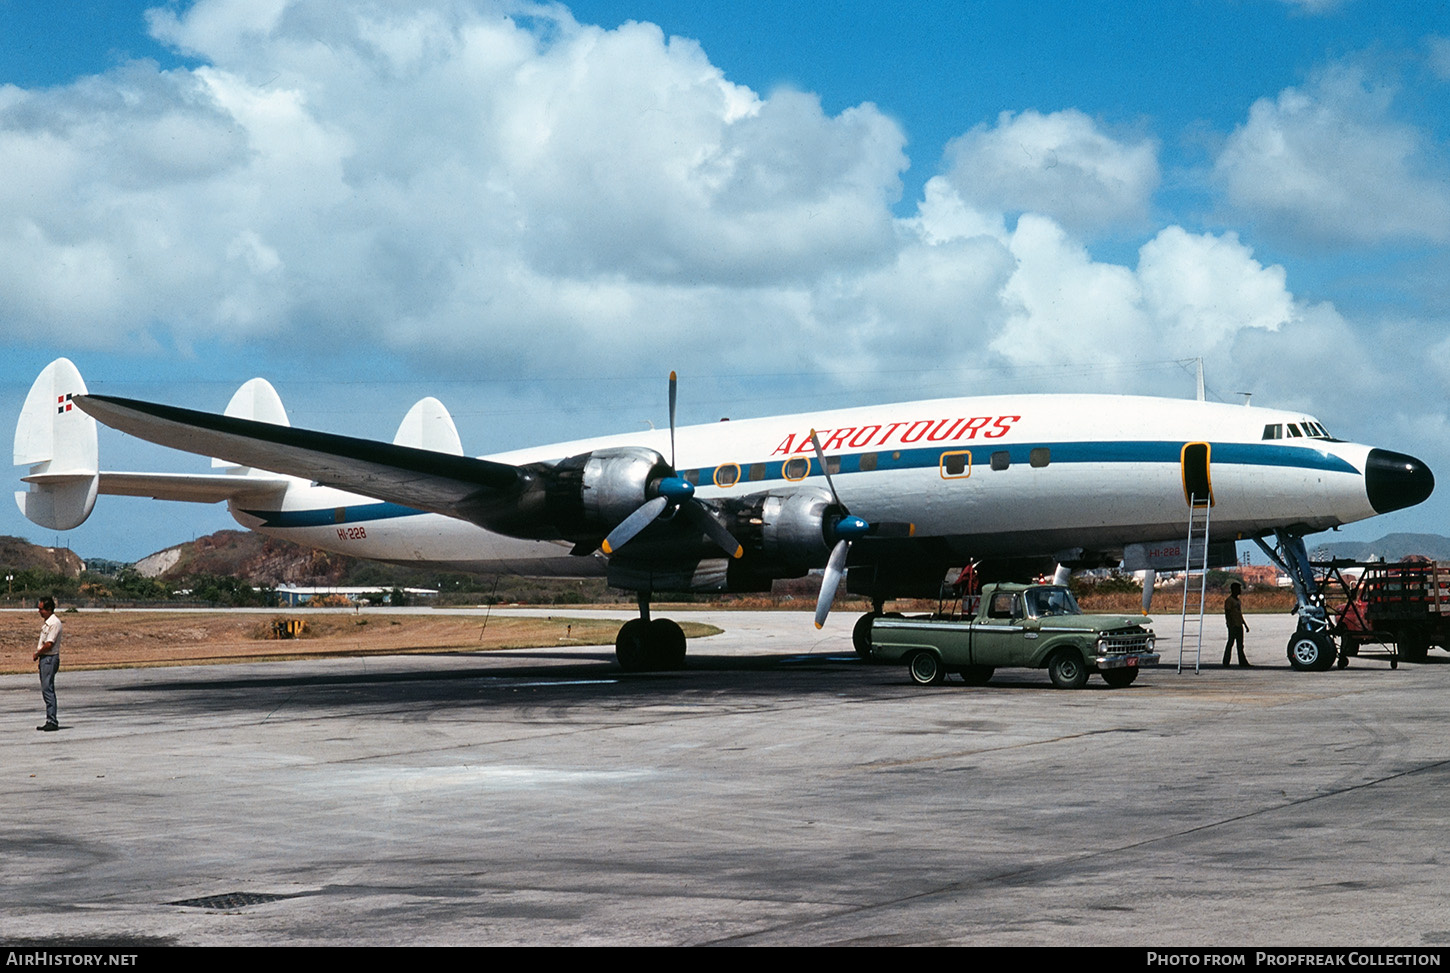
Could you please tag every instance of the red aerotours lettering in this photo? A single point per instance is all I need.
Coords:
(871, 436)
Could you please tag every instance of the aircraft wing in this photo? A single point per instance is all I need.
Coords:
(456, 486)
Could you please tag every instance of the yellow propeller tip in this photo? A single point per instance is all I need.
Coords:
(606, 548)
(739, 551)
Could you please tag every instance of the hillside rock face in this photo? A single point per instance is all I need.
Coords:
(18, 554)
(262, 561)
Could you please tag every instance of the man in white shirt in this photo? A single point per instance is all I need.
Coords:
(47, 655)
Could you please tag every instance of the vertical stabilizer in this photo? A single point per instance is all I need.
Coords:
(58, 442)
(429, 426)
(257, 400)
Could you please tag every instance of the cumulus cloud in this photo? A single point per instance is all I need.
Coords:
(393, 172)
(1328, 164)
(1060, 165)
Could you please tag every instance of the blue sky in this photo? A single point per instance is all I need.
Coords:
(535, 212)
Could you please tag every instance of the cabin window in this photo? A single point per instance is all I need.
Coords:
(833, 465)
(339, 515)
(727, 475)
(1274, 431)
(691, 477)
(868, 462)
(796, 468)
(757, 471)
(1040, 457)
(956, 464)
(1001, 459)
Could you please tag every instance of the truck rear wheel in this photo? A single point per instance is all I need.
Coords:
(926, 669)
(1066, 670)
(1413, 646)
(1311, 652)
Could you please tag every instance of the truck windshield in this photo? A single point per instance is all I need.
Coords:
(1043, 602)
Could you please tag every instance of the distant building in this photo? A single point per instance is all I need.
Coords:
(294, 595)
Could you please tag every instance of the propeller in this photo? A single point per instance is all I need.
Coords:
(847, 529)
(673, 491)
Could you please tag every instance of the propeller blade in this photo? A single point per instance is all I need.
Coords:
(674, 382)
(702, 518)
(821, 458)
(835, 567)
(633, 524)
(1150, 577)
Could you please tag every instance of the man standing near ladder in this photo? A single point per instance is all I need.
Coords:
(1233, 616)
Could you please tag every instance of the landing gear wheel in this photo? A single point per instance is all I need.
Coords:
(666, 644)
(1066, 670)
(977, 675)
(1120, 678)
(1311, 652)
(926, 669)
(861, 636)
(631, 646)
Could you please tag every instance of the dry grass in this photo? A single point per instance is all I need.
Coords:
(106, 639)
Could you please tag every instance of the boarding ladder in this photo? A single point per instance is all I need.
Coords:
(1195, 562)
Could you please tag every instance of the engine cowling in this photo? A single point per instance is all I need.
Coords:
(587, 495)
(791, 528)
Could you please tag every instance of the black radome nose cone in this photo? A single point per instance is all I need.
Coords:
(1395, 481)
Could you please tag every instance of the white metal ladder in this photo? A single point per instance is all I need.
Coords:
(1195, 561)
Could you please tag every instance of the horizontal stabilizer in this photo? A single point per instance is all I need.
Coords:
(429, 426)
(457, 486)
(58, 442)
(257, 488)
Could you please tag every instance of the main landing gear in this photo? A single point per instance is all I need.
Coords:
(645, 644)
(861, 634)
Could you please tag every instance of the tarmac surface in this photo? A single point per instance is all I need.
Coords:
(776, 791)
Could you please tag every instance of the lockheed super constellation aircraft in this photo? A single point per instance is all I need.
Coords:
(891, 497)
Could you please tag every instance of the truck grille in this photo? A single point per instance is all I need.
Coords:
(1116, 643)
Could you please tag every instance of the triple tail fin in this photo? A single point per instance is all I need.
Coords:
(58, 442)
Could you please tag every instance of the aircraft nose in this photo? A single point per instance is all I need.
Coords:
(1394, 480)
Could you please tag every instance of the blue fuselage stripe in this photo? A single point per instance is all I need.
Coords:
(771, 473)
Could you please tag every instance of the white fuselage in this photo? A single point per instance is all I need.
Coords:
(993, 476)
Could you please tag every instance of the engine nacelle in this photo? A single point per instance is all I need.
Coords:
(589, 494)
(787, 527)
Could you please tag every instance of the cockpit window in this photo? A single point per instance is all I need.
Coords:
(1307, 428)
(1056, 600)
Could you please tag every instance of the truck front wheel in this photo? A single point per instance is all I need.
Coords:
(926, 669)
(1067, 670)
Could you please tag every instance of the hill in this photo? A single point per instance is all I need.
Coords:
(262, 561)
(1392, 547)
(18, 554)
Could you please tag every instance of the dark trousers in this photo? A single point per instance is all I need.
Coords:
(49, 665)
(1235, 636)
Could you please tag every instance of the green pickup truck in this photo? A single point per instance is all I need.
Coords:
(1017, 625)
